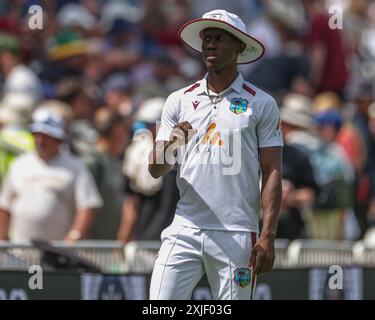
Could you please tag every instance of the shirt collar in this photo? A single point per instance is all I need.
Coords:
(236, 84)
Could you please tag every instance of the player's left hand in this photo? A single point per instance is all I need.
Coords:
(262, 255)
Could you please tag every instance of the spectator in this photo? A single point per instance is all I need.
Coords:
(284, 56)
(118, 93)
(151, 203)
(66, 54)
(176, 13)
(15, 137)
(71, 91)
(356, 24)
(328, 125)
(164, 79)
(371, 125)
(362, 99)
(82, 132)
(49, 194)
(330, 169)
(299, 193)
(331, 114)
(325, 48)
(77, 18)
(18, 78)
(104, 162)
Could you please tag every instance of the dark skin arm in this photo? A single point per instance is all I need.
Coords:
(158, 165)
(4, 224)
(82, 222)
(318, 59)
(159, 159)
(263, 253)
(130, 213)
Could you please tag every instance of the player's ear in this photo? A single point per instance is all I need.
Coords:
(241, 48)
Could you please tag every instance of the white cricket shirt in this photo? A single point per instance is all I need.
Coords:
(219, 169)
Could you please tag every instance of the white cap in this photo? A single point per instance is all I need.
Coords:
(290, 12)
(117, 9)
(76, 15)
(150, 110)
(48, 122)
(190, 33)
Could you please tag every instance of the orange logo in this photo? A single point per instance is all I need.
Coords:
(215, 139)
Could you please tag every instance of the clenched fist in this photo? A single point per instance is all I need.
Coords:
(182, 133)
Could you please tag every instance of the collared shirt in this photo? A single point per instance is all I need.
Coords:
(219, 168)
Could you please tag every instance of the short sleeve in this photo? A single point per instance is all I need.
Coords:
(169, 117)
(269, 127)
(86, 193)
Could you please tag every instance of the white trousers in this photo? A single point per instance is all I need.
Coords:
(186, 254)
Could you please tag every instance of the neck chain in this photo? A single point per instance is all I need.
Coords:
(213, 98)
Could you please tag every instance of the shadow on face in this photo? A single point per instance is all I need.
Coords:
(46, 146)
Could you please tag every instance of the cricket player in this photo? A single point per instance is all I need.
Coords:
(223, 134)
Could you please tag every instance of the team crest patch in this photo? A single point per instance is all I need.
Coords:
(242, 277)
(238, 105)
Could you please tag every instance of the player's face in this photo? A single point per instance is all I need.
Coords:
(220, 49)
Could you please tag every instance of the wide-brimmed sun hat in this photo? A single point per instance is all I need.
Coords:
(190, 33)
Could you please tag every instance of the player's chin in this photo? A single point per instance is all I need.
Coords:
(207, 63)
(210, 65)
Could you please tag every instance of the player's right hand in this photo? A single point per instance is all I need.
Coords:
(182, 133)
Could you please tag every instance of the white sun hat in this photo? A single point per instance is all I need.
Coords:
(150, 110)
(296, 109)
(190, 33)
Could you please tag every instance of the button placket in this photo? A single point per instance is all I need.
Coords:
(215, 107)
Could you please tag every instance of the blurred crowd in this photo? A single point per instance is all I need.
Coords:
(80, 99)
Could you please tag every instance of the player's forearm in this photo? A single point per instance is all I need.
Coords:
(161, 159)
(4, 224)
(129, 219)
(318, 59)
(271, 202)
(83, 222)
